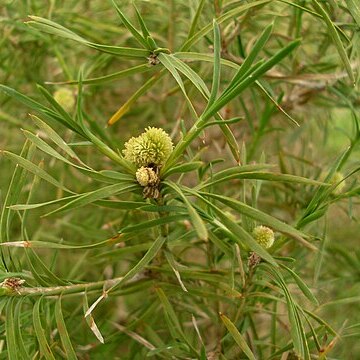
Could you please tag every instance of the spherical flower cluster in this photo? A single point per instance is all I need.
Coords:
(65, 98)
(151, 148)
(146, 176)
(264, 236)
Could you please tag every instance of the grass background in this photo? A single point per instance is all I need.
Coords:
(312, 86)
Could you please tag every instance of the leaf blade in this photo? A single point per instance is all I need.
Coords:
(64, 335)
(237, 336)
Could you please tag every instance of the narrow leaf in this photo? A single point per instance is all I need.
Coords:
(336, 38)
(306, 291)
(36, 170)
(141, 91)
(217, 68)
(150, 254)
(40, 333)
(64, 336)
(92, 196)
(195, 218)
(354, 8)
(238, 337)
(141, 40)
(90, 320)
(11, 339)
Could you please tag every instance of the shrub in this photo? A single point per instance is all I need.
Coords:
(124, 246)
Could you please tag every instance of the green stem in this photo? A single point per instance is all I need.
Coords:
(62, 290)
(164, 232)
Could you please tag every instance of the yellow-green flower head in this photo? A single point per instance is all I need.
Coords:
(338, 176)
(152, 147)
(264, 236)
(146, 176)
(65, 98)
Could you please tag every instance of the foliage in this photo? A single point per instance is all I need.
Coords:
(127, 258)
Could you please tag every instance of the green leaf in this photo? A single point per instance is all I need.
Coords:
(321, 322)
(232, 171)
(35, 244)
(195, 20)
(354, 8)
(259, 84)
(238, 337)
(146, 34)
(224, 17)
(36, 263)
(100, 176)
(246, 65)
(173, 321)
(19, 331)
(15, 188)
(54, 137)
(25, 99)
(140, 39)
(217, 67)
(43, 146)
(92, 196)
(259, 175)
(238, 87)
(145, 225)
(34, 169)
(11, 339)
(150, 254)
(40, 333)
(297, 330)
(51, 115)
(184, 168)
(169, 63)
(176, 326)
(306, 291)
(64, 336)
(222, 122)
(178, 65)
(220, 244)
(58, 108)
(262, 218)
(53, 28)
(195, 56)
(124, 252)
(186, 70)
(315, 208)
(138, 69)
(195, 218)
(38, 205)
(239, 234)
(336, 38)
(133, 98)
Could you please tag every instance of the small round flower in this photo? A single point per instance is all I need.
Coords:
(65, 98)
(146, 176)
(264, 236)
(338, 177)
(152, 147)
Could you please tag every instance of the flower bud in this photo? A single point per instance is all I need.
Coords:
(65, 98)
(264, 236)
(338, 178)
(146, 176)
